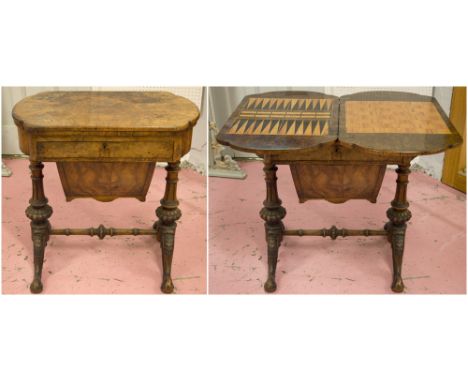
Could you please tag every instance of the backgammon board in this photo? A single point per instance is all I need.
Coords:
(387, 121)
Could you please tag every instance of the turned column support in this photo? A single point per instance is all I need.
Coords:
(39, 212)
(168, 213)
(272, 213)
(399, 214)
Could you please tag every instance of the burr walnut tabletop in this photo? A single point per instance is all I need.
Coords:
(338, 149)
(106, 145)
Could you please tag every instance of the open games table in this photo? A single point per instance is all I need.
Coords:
(337, 150)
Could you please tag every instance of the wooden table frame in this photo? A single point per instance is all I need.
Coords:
(338, 149)
(87, 132)
(395, 229)
(39, 211)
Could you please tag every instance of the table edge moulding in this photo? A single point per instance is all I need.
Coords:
(338, 149)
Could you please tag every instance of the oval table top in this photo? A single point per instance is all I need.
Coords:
(105, 110)
(393, 122)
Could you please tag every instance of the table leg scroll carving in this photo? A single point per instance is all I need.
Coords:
(39, 212)
(272, 213)
(168, 213)
(398, 214)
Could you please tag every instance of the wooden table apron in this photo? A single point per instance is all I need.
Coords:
(338, 150)
(106, 145)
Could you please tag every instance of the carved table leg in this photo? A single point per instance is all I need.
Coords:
(396, 227)
(39, 212)
(272, 213)
(167, 214)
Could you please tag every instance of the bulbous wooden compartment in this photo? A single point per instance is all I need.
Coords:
(105, 181)
(337, 183)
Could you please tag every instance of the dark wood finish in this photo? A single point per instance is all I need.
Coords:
(338, 149)
(422, 114)
(289, 129)
(106, 145)
(337, 183)
(105, 181)
(399, 214)
(168, 213)
(101, 232)
(272, 213)
(338, 152)
(335, 232)
(39, 212)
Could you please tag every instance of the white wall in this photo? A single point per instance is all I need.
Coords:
(196, 156)
(198, 153)
(223, 101)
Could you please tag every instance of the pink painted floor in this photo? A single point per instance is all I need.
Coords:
(435, 250)
(114, 265)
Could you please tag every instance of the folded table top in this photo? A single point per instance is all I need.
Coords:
(393, 122)
(105, 111)
(105, 126)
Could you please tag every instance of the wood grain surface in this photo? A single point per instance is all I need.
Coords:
(366, 131)
(105, 181)
(106, 145)
(80, 110)
(337, 183)
(105, 126)
(294, 124)
(394, 117)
